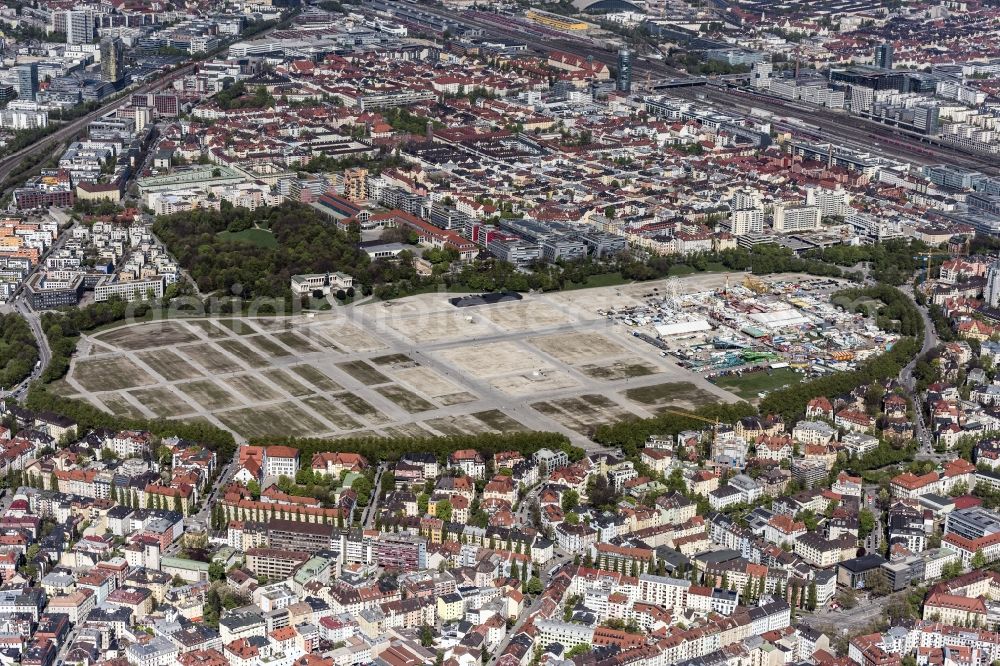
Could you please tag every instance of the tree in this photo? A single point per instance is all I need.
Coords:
(866, 522)
(218, 519)
(254, 489)
(570, 500)
(53, 482)
(363, 487)
(812, 601)
(676, 481)
(847, 598)
(216, 571)
(578, 650)
(951, 570)
(304, 476)
(572, 519)
(443, 510)
(422, 502)
(878, 582)
(600, 493)
(534, 586)
(213, 607)
(978, 559)
(426, 635)
(178, 503)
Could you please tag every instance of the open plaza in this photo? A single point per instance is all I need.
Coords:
(563, 361)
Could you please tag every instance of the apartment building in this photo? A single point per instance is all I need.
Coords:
(275, 562)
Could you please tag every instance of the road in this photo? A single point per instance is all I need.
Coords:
(11, 162)
(368, 517)
(869, 499)
(533, 607)
(924, 437)
(222, 480)
(867, 612)
(836, 126)
(841, 127)
(21, 306)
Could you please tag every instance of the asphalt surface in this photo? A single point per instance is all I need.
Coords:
(836, 126)
(368, 516)
(21, 306)
(924, 437)
(14, 160)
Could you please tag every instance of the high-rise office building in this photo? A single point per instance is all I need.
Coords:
(112, 59)
(991, 294)
(79, 27)
(760, 74)
(624, 81)
(746, 221)
(883, 56)
(27, 81)
(143, 116)
(793, 218)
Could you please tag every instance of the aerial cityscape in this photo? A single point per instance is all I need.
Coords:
(518, 333)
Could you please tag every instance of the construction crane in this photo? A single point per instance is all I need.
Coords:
(713, 422)
(755, 285)
(927, 257)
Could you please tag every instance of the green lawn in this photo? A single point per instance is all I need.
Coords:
(600, 280)
(669, 392)
(258, 237)
(749, 385)
(678, 270)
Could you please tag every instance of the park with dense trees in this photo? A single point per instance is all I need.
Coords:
(18, 350)
(210, 246)
(305, 242)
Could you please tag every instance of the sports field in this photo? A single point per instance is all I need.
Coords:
(413, 367)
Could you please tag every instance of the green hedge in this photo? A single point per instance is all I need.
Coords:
(377, 449)
(89, 417)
